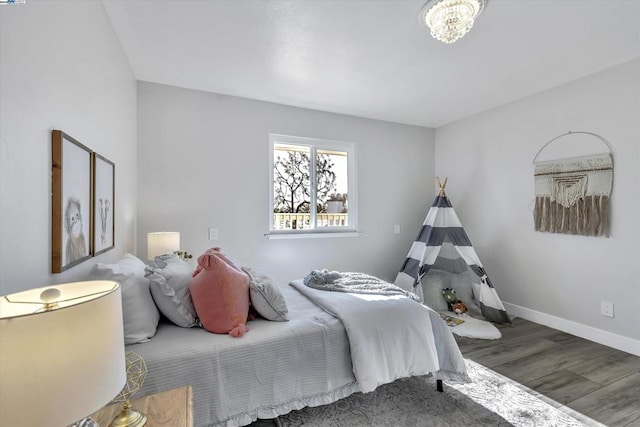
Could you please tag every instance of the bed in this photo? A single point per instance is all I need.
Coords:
(276, 367)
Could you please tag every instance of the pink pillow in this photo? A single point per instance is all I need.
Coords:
(220, 293)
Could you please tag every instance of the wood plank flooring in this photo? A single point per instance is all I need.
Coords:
(589, 380)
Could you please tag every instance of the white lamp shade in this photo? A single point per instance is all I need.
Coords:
(160, 243)
(60, 365)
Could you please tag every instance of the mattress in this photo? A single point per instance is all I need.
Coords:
(273, 369)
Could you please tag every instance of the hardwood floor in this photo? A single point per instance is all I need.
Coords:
(582, 377)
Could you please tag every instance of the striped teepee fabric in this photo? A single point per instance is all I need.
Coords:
(443, 228)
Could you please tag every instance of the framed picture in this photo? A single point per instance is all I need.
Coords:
(103, 204)
(71, 194)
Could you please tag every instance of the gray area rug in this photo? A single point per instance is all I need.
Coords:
(490, 400)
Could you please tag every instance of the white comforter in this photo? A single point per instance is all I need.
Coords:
(391, 337)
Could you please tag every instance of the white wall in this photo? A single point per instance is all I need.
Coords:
(204, 162)
(61, 67)
(552, 278)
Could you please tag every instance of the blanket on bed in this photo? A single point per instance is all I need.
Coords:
(391, 337)
(358, 283)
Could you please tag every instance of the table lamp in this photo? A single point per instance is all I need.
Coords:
(61, 353)
(163, 242)
(136, 371)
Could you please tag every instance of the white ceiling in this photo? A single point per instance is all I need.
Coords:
(372, 58)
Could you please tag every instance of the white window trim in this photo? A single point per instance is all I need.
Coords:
(350, 148)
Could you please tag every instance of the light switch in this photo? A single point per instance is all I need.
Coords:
(213, 234)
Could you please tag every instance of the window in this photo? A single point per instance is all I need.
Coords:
(312, 186)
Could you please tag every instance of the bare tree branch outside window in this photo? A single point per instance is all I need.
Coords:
(292, 182)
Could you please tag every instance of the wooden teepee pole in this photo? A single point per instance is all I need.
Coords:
(441, 186)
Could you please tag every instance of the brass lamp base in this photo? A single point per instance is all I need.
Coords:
(129, 417)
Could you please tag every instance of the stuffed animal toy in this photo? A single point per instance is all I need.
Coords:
(453, 303)
(450, 297)
(459, 308)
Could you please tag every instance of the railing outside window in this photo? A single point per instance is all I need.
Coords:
(301, 221)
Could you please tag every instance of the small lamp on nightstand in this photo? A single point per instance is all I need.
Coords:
(61, 353)
(163, 242)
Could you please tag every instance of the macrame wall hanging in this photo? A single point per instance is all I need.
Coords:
(572, 193)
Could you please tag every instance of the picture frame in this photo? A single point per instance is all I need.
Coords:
(71, 201)
(104, 197)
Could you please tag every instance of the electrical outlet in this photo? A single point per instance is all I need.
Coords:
(396, 229)
(213, 234)
(606, 308)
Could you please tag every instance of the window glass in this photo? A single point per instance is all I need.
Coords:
(312, 185)
(332, 188)
(291, 187)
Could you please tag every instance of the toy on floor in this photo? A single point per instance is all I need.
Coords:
(453, 303)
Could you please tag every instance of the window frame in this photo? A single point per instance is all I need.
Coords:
(315, 144)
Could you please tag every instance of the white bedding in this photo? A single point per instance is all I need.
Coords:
(390, 337)
(273, 369)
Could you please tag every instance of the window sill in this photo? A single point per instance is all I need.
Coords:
(311, 235)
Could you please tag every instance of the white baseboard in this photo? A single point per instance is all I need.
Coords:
(609, 339)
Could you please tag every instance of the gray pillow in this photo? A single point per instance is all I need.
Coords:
(266, 297)
(169, 278)
(139, 313)
(432, 284)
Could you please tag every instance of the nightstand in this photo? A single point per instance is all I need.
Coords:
(172, 408)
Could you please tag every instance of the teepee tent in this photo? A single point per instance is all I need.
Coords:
(442, 243)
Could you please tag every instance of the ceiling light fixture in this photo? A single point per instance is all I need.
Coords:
(449, 20)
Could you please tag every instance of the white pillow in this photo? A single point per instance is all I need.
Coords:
(266, 297)
(139, 313)
(432, 284)
(169, 278)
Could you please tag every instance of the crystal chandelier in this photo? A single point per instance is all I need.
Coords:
(449, 20)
